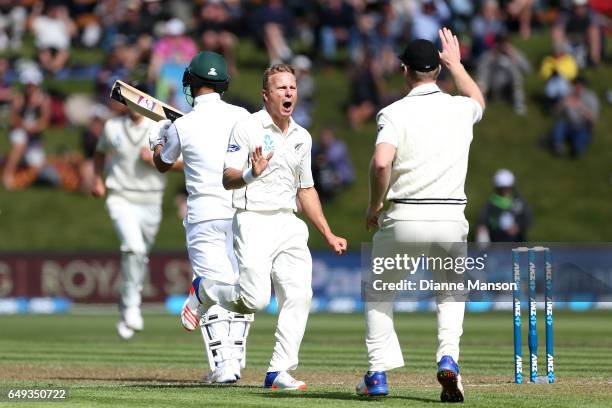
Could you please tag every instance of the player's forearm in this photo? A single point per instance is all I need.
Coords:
(160, 165)
(98, 161)
(465, 84)
(380, 175)
(311, 206)
(232, 179)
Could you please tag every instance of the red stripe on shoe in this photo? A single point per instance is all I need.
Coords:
(189, 318)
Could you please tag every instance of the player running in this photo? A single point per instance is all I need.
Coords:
(134, 192)
(201, 137)
(420, 163)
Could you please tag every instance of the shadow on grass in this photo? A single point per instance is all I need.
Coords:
(160, 383)
(344, 396)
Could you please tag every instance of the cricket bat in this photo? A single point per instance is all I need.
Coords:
(143, 103)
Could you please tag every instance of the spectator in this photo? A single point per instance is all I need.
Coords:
(218, 21)
(124, 24)
(462, 12)
(12, 24)
(332, 169)
(506, 216)
(520, 11)
(429, 16)
(366, 85)
(30, 115)
(86, 21)
(6, 92)
(53, 30)
(576, 116)
(378, 34)
(271, 23)
(337, 26)
(500, 73)
(579, 30)
(171, 55)
(114, 67)
(305, 83)
(558, 70)
(486, 26)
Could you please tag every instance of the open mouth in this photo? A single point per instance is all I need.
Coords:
(287, 105)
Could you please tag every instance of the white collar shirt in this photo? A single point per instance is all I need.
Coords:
(201, 137)
(288, 170)
(432, 132)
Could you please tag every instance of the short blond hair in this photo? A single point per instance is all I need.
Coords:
(275, 69)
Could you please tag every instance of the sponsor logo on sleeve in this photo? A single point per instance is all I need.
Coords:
(231, 148)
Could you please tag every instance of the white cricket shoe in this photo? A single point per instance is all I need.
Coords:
(124, 331)
(192, 312)
(132, 317)
(282, 380)
(235, 364)
(221, 375)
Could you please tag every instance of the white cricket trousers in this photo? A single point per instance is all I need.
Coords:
(384, 351)
(271, 246)
(211, 250)
(136, 225)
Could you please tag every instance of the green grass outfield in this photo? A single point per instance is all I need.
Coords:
(161, 366)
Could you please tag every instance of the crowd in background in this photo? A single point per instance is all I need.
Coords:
(153, 41)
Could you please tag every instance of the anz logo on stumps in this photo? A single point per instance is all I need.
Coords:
(517, 312)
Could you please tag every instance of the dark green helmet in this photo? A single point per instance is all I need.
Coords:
(206, 69)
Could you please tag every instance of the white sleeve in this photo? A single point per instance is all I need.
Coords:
(172, 146)
(305, 175)
(386, 131)
(237, 149)
(474, 107)
(103, 143)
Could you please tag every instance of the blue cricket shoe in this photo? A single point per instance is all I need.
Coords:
(449, 378)
(373, 384)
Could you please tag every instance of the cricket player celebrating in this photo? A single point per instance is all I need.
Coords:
(134, 192)
(201, 136)
(421, 158)
(268, 165)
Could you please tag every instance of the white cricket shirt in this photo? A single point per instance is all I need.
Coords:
(432, 132)
(289, 169)
(126, 173)
(201, 136)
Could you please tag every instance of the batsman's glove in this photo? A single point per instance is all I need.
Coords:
(157, 133)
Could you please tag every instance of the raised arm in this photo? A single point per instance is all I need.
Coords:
(451, 58)
(234, 178)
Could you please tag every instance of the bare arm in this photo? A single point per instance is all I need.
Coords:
(380, 176)
(311, 205)
(160, 165)
(98, 189)
(451, 58)
(234, 178)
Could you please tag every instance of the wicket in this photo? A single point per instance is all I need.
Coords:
(516, 307)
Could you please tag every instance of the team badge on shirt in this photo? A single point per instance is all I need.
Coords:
(231, 148)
